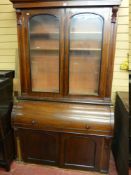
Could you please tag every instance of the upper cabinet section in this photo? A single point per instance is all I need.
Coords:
(65, 52)
(66, 49)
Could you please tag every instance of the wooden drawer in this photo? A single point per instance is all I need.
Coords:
(91, 119)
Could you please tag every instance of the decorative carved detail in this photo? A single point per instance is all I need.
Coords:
(114, 14)
(19, 22)
(19, 18)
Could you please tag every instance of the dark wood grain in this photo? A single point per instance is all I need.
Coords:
(111, 51)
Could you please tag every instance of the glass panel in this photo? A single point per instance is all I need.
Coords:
(44, 53)
(85, 54)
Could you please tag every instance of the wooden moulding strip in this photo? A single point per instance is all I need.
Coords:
(63, 4)
(18, 149)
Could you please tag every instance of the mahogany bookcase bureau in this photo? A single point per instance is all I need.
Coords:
(63, 115)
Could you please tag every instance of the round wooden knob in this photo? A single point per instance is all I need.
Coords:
(33, 122)
(87, 127)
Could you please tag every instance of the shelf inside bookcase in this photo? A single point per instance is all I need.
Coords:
(53, 35)
(57, 33)
(45, 90)
(71, 49)
(85, 49)
(44, 49)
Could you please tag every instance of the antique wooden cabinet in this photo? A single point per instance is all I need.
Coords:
(120, 145)
(6, 132)
(63, 115)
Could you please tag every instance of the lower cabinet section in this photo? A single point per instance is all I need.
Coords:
(69, 150)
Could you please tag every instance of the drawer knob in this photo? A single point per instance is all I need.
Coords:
(87, 127)
(33, 122)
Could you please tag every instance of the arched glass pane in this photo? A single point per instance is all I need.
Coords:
(85, 54)
(44, 53)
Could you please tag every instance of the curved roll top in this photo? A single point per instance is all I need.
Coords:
(62, 117)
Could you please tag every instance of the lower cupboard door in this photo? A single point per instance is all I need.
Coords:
(39, 146)
(81, 152)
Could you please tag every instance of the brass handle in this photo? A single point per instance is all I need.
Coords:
(87, 127)
(33, 122)
(27, 14)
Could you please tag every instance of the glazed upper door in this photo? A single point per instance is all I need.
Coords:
(86, 52)
(45, 60)
(66, 52)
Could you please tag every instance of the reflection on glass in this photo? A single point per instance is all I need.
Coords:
(85, 54)
(44, 53)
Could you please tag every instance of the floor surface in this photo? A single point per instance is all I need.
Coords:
(20, 168)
